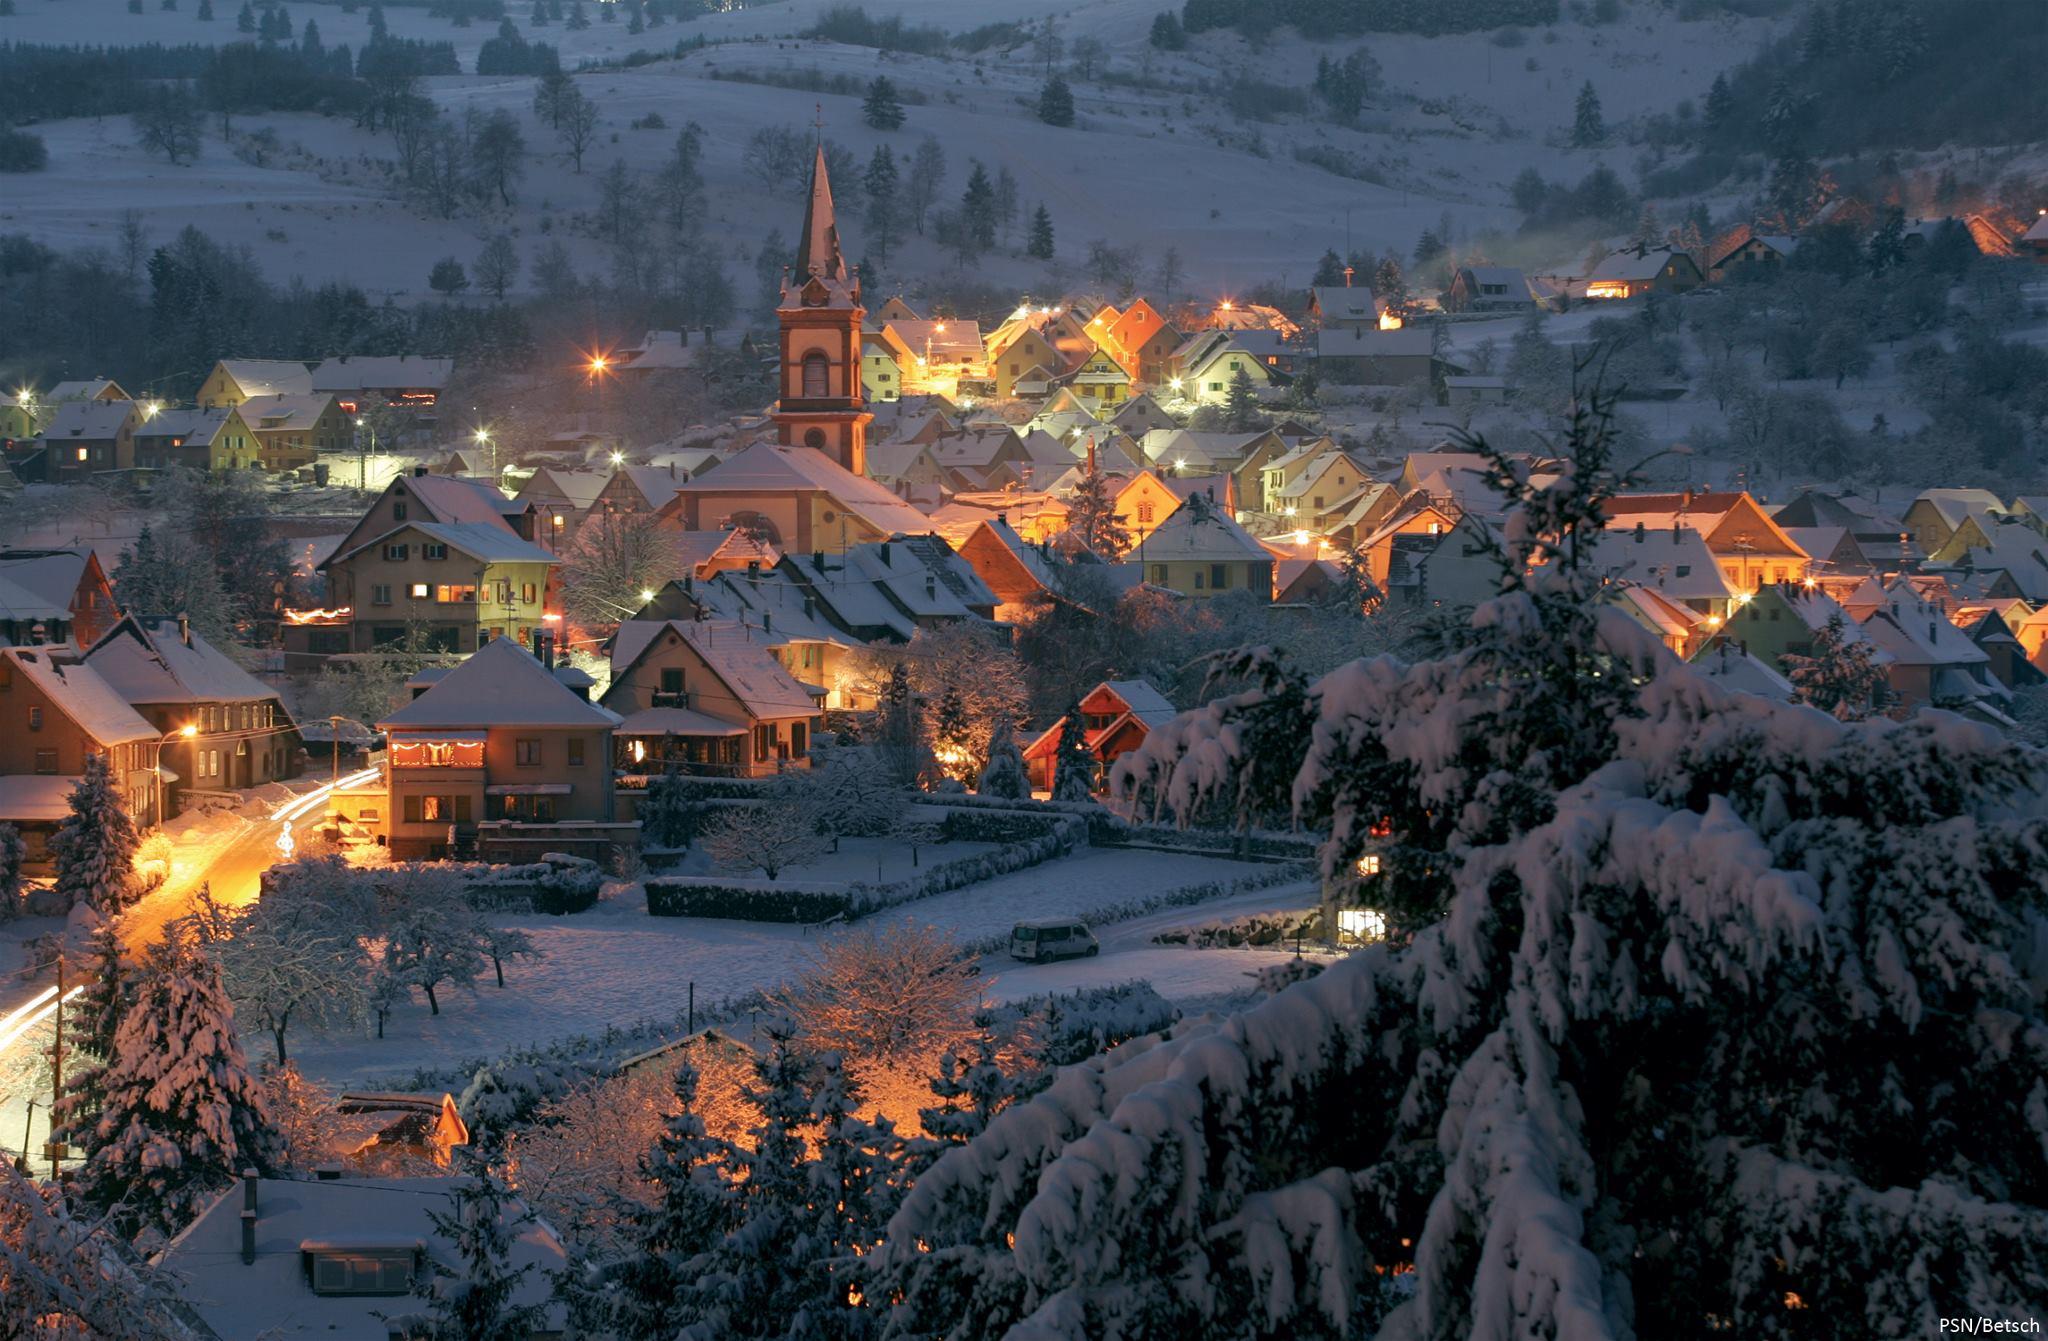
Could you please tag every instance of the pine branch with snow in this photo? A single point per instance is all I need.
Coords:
(61, 1275)
(1073, 776)
(1841, 675)
(1003, 774)
(474, 1300)
(94, 847)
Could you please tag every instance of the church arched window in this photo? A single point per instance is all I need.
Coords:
(817, 375)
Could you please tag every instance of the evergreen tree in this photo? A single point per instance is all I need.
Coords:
(672, 812)
(652, 1293)
(245, 22)
(1003, 774)
(1241, 409)
(1428, 247)
(1720, 103)
(538, 18)
(1073, 776)
(851, 1195)
(309, 42)
(884, 218)
(951, 735)
(978, 209)
(447, 278)
(90, 1030)
(1092, 518)
(578, 20)
(474, 1300)
(1056, 103)
(882, 109)
(1841, 675)
(1390, 285)
(900, 740)
(1329, 271)
(1888, 244)
(375, 18)
(971, 1092)
(1039, 245)
(1588, 128)
(637, 24)
(13, 855)
(95, 845)
(206, 11)
(1167, 33)
(183, 1116)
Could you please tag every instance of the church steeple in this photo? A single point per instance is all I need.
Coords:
(822, 405)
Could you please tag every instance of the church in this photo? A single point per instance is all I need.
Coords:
(808, 492)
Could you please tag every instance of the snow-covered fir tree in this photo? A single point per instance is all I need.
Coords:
(91, 1026)
(1841, 675)
(1003, 775)
(852, 1193)
(476, 1299)
(1073, 776)
(62, 1276)
(650, 1294)
(670, 812)
(13, 855)
(182, 1115)
(94, 848)
(1728, 1022)
(951, 735)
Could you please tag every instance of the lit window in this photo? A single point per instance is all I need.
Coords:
(1361, 924)
(1369, 864)
(419, 591)
(84, 453)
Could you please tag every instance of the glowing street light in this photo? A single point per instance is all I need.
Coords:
(618, 458)
(647, 594)
(188, 730)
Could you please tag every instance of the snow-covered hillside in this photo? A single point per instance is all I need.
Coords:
(1157, 155)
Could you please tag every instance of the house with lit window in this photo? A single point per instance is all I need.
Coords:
(1204, 365)
(412, 382)
(1116, 716)
(338, 1257)
(500, 758)
(1488, 288)
(83, 438)
(1144, 343)
(54, 715)
(1637, 272)
(216, 439)
(1751, 548)
(233, 381)
(551, 492)
(63, 592)
(1199, 551)
(1025, 363)
(708, 696)
(1340, 307)
(1673, 561)
(291, 430)
(1100, 383)
(225, 729)
(796, 497)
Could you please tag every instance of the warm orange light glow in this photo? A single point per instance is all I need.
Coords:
(1390, 320)
(1226, 304)
(1607, 288)
(334, 616)
(188, 730)
(598, 364)
(425, 753)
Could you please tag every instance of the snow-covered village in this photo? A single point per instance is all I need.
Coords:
(1051, 670)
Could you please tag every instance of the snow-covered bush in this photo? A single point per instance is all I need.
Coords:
(693, 896)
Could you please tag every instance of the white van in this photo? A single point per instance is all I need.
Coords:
(1052, 938)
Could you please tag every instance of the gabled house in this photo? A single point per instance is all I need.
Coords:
(1932, 661)
(412, 382)
(1488, 288)
(1751, 548)
(886, 591)
(1635, 273)
(1116, 716)
(1403, 356)
(335, 1257)
(1673, 561)
(57, 714)
(1330, 481)
(910, 470)
(464, 583)
(500, 757)
(1453, 568)
(216, 439)
(553, 493)
(1736, 668)
(233, 381)
(1206, 363)
(1678, 627)
(1100, 383)
(1141, 414)
(83, 438)
(90, 388)
(1019, 573)
(1937, 514)
(1751, 256)
(291, 430)
(1414, 515)
(69, 582)
(1025, 364)
(228, 730)
(640, 488)
(797, 498)
(710, 696)
(1200, 552)
(1146, 501)
(1144, 343)
(882, 361)
(1989, 630)
(2009, 557)
(969, 456)
(776, 612)
(1781, 619)
(1335, 308)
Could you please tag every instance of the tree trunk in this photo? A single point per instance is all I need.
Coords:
(433, 1006)
(277, 1032)
(498, 966)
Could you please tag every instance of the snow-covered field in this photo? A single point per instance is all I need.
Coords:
(616, 966)
(1155, 157)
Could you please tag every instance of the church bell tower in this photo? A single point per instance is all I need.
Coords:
(822, 404)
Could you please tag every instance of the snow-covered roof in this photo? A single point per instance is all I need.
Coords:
(677, 722)
(150, 660)
(297, 412)
(580, 487)
(500, 684)
(21, 605)
(383, 372)
(1732, 668)
(479, 540)
(1627, 265)
(1369, 342)
(1499, 274)
(269, 377)
(1955, 506)
(655, 484)
(451, 498)
(951, 340)
(271, 1299)
(1145, 703)
(1342, 303)
(88, 420)
(894, 460)
(771, 467)
(1916, 633)
(52, 574)
(79, 389)
(185, 424)
(83, 695)
(1200, 533)
(1676, 563)
(31, 798)
(743, 662)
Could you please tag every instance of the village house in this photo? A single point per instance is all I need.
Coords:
(883, 357)
(1402, 356)
(1936, 515)
(1100, 383)
(216, 439)
(1634, 274)
(1754, 256)
(1116, 716)
(1454, 568)
(57, 714)
(1329, 482)
(1141, 414)
(910, 470)
(1200, 552)
(227, 729)
(1343, 308)
(886, 591)
(71, 583)
(1230, 315)
(501, 759)
(290, 430)
(560, 500)
(233, 381)
(90, 388)
(83, 438)
(408, 382)
(1204, 366)
(780, 614)
(797, 498)
(1781, 619)
(17, 418)
(639, 488)
(1144, 343)
(1678, 627)
(1241, 456)
(1412, 516)
(708, 697)
(1488, 288)
(1931, 660)
(1881, 535)
(1024, 363)
(1750, 547)
(1675, 562)
(1018, 573)
(1737, 670)
(1038, 515)
(461, 584)
(2002, 558)
(329, 1256)
(1465, 392)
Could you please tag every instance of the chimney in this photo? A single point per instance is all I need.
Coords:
(419, 470)
(671, 468)
(767, 622)
(1639, 533)
(248, 1217)
(931, 587)
(184, 628)
(818, 559)
(885, 554)
(1685, 498)
(810, 607)
(753, 568)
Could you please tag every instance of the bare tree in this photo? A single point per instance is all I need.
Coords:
(769, 837)
(168, 124)
(292, 955)
(614, 557)
(927, 174)
(578, 126)
(895, 1001)
(497, 266)
(774, 157)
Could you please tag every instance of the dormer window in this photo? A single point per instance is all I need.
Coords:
(343, 1268)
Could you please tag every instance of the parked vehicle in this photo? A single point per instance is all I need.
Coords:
(1052, 938)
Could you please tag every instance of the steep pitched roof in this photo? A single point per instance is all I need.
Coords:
(1200, 533)
(740, 658)
(269, 377)
(817, 247)
(655, 484)
(500, 684)
(289, 412)
(393, 372)
(1655, 559)
(148, 660)
(83, 695)
(452, 498)
(88, 420)
(770, 467)
(580, 487)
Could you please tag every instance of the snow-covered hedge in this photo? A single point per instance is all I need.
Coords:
(703, 789)
(1258, 929)
(1202, 891)
(556, 884)
(704, 896)
(1106, 830)
(995, 826)
(1070, 1026)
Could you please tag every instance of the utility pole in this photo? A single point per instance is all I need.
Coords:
(56, 1147)
(334, 746)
